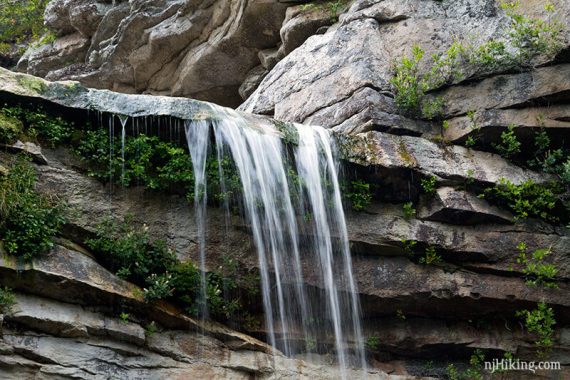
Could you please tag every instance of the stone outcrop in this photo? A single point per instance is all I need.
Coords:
(303, 64)
(198, 49)
(75, 331)
(478, 280)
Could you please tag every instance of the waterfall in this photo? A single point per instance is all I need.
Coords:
(276, 218)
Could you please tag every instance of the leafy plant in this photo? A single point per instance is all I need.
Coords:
(126, 249)
(526, 199)
(124, 317)
(409, 86)
(429, 184)
(38, 123)
(430, 256)
(159, 287)
(358, 193)
(470, 142)
(7, 300)
(524, 40)
(150, 329)
(409, 210)
(549, 160)
(473, 372)
(372, 343)
(28, 220)
(540, 321)
(20, 22)
(509, 145)
(536, 271)
(409, 246)
(10, 128)
(531, 36)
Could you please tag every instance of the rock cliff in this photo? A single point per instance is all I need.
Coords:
(329, 64)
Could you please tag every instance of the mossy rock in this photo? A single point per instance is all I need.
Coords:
(10, 129)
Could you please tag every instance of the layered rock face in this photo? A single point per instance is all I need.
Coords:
(311, 67)
(419, 313)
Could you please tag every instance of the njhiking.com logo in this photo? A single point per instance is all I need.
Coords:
(502, 365)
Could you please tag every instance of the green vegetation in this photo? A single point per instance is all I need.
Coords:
(541, 322)
(7, 300)
(429, 184)
(509, 145)
(128, 250)
(409, 210)
(333, 7)
(159, 165)
(372, 343)
(400, 314)
(124, 317)
(522, 42)
(10, 128)
(535, 270)
(549, 160)
(28, 220)
(430, 256)
(150, 329)
(409, 245)
(22, 22)
(34, 125)
(473, 372)
(148, 161)
(526, 199)
(532, 37)
(410, 86)
(358, 194)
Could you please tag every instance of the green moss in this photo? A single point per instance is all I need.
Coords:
(32, 84)
(408, 159)
(10, 128)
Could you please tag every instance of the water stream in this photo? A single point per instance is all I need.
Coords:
(276, 218)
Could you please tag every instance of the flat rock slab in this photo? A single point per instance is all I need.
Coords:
(455, 163)
(493, 122)
(460, 207)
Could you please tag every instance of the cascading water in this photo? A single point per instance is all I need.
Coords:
(285, 256)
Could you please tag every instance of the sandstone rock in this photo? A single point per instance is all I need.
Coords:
(367, 110)
(71, 321)
(329, 68)
(459, 207)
